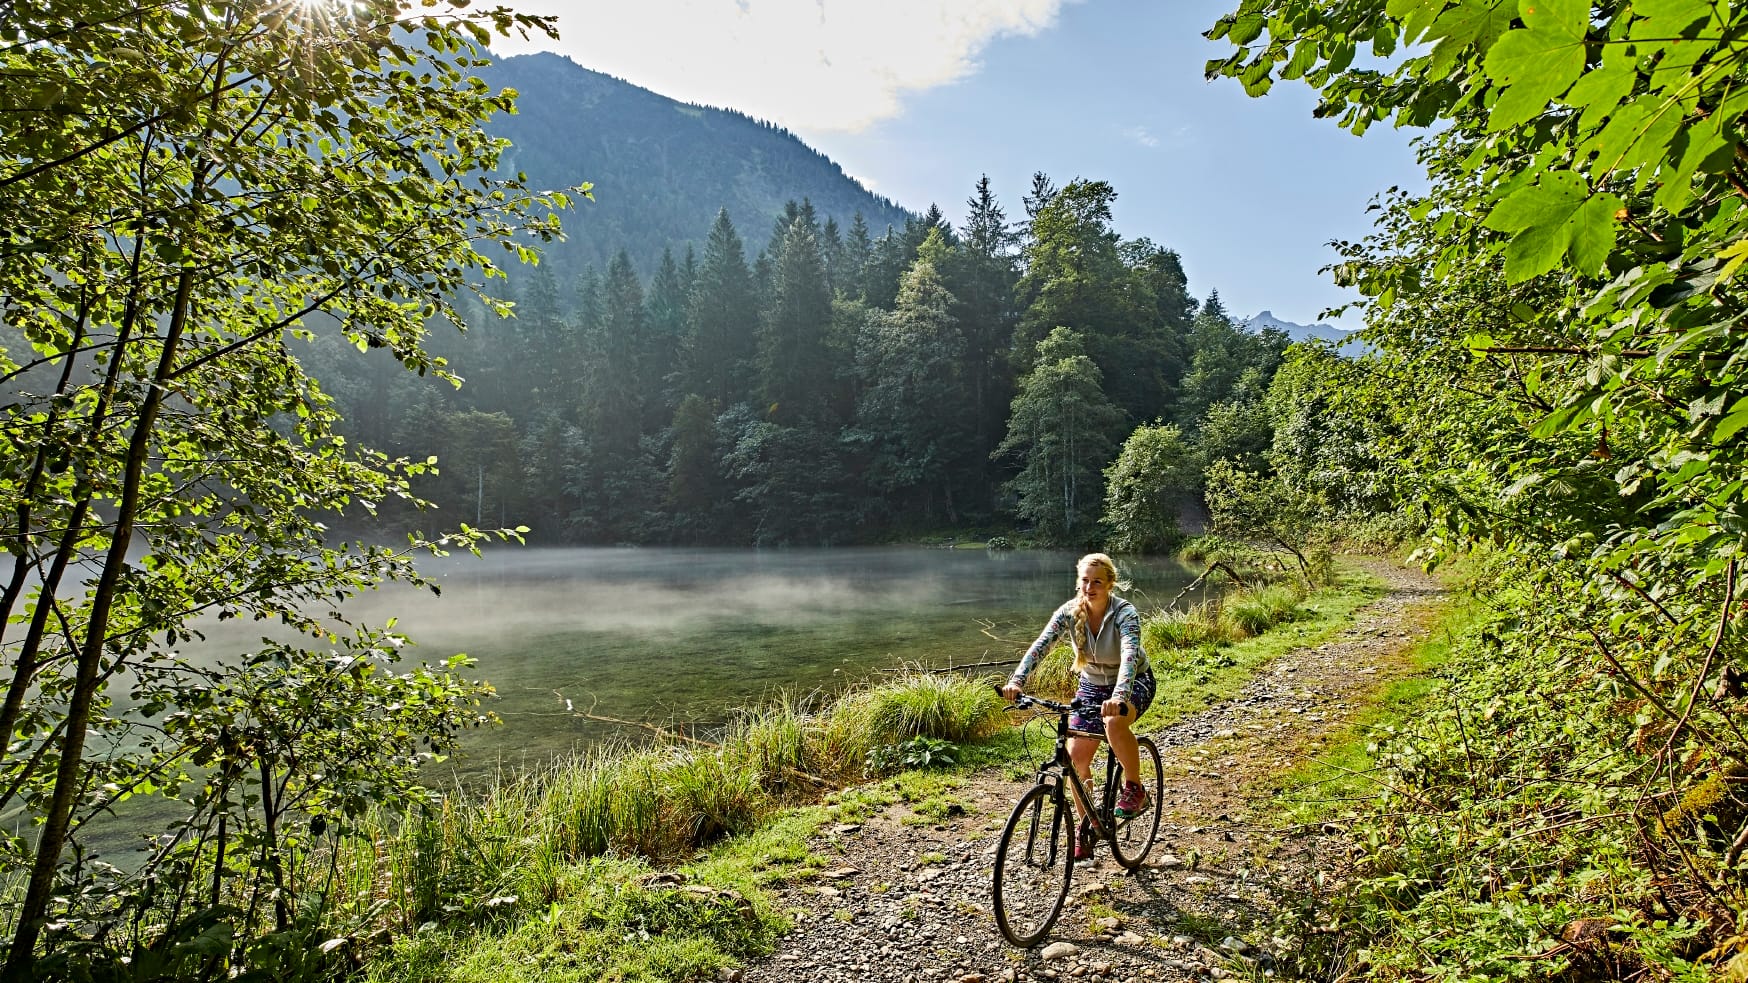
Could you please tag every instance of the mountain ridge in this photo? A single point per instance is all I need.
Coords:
(661, 168)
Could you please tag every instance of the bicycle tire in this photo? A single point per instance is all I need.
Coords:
(1134, 837)
(1033, 864)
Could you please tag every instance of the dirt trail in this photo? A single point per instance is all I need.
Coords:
(906, 901)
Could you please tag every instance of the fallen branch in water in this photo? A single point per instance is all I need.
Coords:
(1216, 565)
(968, 665)
(675, 735)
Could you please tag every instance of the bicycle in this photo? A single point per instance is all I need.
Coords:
(1034, 861)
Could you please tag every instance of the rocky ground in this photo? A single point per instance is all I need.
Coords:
(908, 900)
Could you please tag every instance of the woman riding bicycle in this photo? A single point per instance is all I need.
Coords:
(1115, 675)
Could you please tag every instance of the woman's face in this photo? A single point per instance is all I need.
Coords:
(1093, 584)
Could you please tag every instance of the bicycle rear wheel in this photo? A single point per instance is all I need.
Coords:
(1033, 863)
(1134, 836)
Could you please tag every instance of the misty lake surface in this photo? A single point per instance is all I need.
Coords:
(684, 636)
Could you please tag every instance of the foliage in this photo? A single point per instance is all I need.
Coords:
(918, 752)
(193, 193)
(1490, 838)
(1061, 432)
(1146, 489)
(1127, 301)
(909, 362)
(1269, 511)
(1564, 302)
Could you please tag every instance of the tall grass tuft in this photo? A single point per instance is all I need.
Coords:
(1198, 626)
(771, 740)
(926, 704)
(1054, 674)
(839, 737)
(704, 796)
(1256, 611)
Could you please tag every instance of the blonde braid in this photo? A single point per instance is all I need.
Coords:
(1082, 654)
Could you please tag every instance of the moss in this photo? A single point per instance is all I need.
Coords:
(1715, 808)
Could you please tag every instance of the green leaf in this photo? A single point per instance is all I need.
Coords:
(1671, 18)
(1246, 28)
(1552, 218)
(1599, 92)
(1538, 63)
(1730, 425)
(1592, 232)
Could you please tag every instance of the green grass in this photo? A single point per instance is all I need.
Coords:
(1210, 674)
(1342, 770)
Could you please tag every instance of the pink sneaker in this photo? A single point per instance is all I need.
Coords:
(1131, 801)
(1084, 841)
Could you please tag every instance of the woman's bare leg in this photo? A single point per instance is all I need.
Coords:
(1123, 745)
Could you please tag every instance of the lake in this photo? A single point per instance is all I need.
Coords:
(685, 635)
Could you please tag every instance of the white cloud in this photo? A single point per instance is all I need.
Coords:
(806, 64)
(1140, 135)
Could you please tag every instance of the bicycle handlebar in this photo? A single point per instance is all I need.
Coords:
(1024, 702)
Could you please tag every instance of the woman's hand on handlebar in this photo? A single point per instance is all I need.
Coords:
(1010, 692)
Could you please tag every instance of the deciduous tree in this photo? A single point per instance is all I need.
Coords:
(184, 185)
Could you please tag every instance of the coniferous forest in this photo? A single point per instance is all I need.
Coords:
(823, 383)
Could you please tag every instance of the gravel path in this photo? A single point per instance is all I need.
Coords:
(909, 900)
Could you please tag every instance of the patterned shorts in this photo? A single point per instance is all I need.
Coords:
(1088, 698)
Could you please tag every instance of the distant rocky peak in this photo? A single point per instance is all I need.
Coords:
(1299, 332)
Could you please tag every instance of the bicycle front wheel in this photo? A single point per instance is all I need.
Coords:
(1134, 835)
(1033, 863)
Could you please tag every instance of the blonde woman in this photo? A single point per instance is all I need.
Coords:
(1115, 676)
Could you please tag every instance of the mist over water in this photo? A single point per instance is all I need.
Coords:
(686, 635)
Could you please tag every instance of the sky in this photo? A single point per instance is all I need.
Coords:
(918, 99)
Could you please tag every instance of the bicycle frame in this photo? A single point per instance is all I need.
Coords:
(1061, 765)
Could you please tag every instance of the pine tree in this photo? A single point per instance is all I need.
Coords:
(670, 298)
(794, 369)
(858, 250)
(981, 276)
(722, 320)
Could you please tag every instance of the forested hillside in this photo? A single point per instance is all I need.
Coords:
(660, 169)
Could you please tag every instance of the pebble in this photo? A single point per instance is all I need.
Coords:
(1058, 950)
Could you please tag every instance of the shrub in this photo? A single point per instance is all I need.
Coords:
(918, 752)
